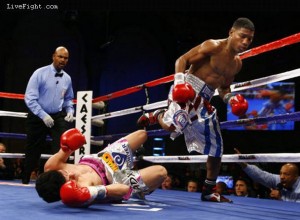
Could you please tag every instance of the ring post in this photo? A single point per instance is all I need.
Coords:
(83, 121)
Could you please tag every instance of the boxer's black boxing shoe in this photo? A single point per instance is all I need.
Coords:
(150, 118)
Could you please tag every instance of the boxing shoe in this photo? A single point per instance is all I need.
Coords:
(209, 195)
(214, 197)
(138, 195)
(150, 118)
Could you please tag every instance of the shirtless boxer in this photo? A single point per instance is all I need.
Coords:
(208, 66)
(104, 176)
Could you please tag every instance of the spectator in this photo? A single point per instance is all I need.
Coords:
(167, 183)
(285, 186)
(192, 185)
(6, 165)
(242, 188)
(48, 96)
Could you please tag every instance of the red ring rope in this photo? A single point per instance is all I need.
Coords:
(11, 95)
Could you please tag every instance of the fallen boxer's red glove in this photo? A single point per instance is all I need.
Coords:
(73, 195)
(71, 140)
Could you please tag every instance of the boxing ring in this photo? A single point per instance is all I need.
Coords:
(21, 201)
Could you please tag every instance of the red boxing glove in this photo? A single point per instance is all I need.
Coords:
(73, 195)
(182, 93)
(71, 140)
(239, 105)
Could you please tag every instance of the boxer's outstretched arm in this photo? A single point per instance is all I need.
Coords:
(57, 161)
(70, 141)
(77, 196)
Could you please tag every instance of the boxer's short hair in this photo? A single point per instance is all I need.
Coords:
(48, 185)
(244, 23)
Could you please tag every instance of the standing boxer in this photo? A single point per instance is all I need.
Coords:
(107, 175)
(208, 66)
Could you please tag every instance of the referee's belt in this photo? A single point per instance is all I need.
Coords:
(55, 114)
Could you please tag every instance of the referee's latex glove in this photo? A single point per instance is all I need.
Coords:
(69, 117)
(49, 122)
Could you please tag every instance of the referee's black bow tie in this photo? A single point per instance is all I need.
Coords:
(59, 74)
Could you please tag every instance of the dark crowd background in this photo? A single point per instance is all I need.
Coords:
(114, 45)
